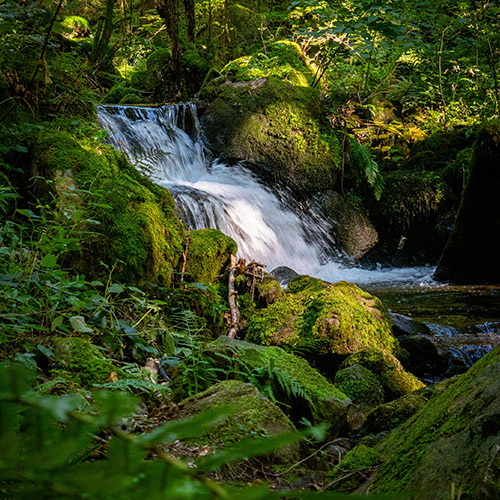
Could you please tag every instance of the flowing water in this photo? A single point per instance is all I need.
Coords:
(166, 143)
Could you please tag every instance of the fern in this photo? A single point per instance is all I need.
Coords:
(366, 162)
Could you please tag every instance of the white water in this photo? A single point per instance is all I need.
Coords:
(209, 193)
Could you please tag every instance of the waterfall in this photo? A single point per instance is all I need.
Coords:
(166, 144)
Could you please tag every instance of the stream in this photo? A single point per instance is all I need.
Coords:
(166, 143)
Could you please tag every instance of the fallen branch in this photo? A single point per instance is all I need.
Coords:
(233, 306)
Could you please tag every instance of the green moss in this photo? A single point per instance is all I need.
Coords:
(450, 440)
(131, 99)
(82, 360)
(302, 390)
(138, 229)
(355, 467)
(209, 252)
(340, 317)
(253, 416)
(390, 415)
(394, 379)
(282, 59)
(279, 129)
(360, 385)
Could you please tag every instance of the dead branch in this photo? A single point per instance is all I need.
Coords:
(235, 313)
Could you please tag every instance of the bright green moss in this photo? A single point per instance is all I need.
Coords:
(354, 468)
(138, 229)
(209, 252)
(360, 385)
(389, 371)
(301, 389)
(81, 360)
(282, 59)
(340, 317)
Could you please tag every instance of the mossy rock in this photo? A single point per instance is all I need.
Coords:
(365, 391)
(138, 232)
(360, 385)
(390, 415)
(452, 440)
(253, 416)
(357, 464)
(282, 59)
(209, 252)
(81, 361)
(279, 130)
(267, 290)
(389, 371)
(131, 99)
(300, 389)
(325, 318)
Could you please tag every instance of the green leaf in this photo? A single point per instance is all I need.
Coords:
(59, 406)
(97, 283)
(78, 324)
(27, 213)
(19, 148)
(50, 260)
(115, 288)
(56, 323)
(45, 350)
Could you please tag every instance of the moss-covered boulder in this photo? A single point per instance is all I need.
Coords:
(137, 230)
(470, 255)
(282, 59)
(389, 371)
(253, 416)
(300, 389)
(208, 254)
(279, 130)
(81, 361)
(390, 415)
(325, 318)
(451, 444)
(364, 390)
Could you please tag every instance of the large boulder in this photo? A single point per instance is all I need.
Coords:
(471, 254)
(126, 221)
(279, 130)
(322, 318)
(253, 416)
(451, 444)
(291, 381)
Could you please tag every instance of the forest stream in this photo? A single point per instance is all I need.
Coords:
(464, 321)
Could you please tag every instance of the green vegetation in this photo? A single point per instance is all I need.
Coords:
(330, 318)
(111, 383)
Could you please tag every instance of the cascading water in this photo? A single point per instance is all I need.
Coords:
(209, 193)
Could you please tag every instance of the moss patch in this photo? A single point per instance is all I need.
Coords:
(278, 129)
(284, 377)
(254, 416)
(336, 318)
(394, 379)
(208, 254)
(138, 229)
(454, 438)
(81, 360)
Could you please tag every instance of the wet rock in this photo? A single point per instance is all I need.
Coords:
(451, 444)
(353, 230)
(421, 357)
(471, 255)
(284, 275)
(403, 325)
